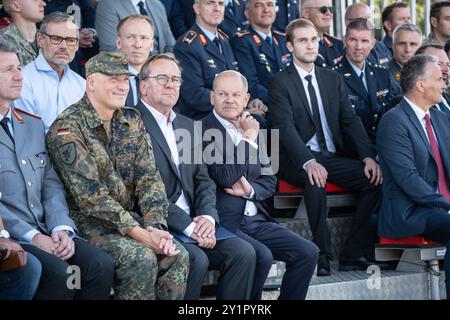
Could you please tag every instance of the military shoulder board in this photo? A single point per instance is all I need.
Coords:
(189, 37)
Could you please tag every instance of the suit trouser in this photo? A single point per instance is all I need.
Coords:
(349, 174)
(272, 241)
(438, 229)
(234, 258)
(97, 271)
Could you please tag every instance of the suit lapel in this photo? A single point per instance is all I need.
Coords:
(5, 140)
(154, 130)
(323, 84)
(295, 78)
(20, 135)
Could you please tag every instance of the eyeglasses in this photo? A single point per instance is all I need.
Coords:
(163, 79)
(70, 41)
(324, 9)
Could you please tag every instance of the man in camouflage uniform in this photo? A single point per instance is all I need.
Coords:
(22, 32)
(104, 156)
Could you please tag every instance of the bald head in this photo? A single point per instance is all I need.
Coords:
(231, 74)
(358, 11)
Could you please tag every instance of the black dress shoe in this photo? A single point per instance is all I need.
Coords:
(362, 263)
(323, 266)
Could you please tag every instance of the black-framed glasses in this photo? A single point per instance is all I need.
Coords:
(70, 41)
(324, 9)
(163, 79)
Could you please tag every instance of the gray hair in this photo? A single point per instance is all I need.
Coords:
(146, 67)
(248, 3)
(6, 46)
(231, 72)
(413, 70)
(406, 27)
(56, 17)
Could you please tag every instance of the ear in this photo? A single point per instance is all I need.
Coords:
(196, 8)
(388, 26)
(433, 22)
(40, 40)
(118, 43)
(211, 97)
(289, 46)
(90, 82)
(14, 6)
(246, 99)
(420, 86)
(304, 13)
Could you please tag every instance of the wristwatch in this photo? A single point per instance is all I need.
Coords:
(4, 234)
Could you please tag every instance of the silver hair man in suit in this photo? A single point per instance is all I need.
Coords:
(33, 205)
(110, 12)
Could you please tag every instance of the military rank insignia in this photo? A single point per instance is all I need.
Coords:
(189, 37)
(256, 39)
(397, 75)
(382, 93)
(212, 63)
(202, 40)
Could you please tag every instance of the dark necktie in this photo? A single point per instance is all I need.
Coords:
(442, 181)
(5, 127)
(142, 9)
(269, 40)
(217, 43)
(316, 117)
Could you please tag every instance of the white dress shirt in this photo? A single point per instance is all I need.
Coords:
(420, 113)
(166, 126)
(236, 137)
(313, 143)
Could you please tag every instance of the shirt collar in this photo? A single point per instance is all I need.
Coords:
(42, 64)
(8, 115)
(225, 123)
(135, 2)
(302, 73)
(159, 117)
(133, 70)
(357, 70)
(417, 110)
(208, 34)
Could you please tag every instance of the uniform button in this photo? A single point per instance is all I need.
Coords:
(24, 162)
(31, 206)
(324, 65)
(374, 128)
(353, 106)
(0, 196)
(238, 29)
(29, 183)
(42, 161)
(375, 116)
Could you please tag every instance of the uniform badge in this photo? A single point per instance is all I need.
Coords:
(382, 93)
(371, 73)
(286, 58)
(338, 59)
(383, 61)
(347, 75)
(263, 57)
(212, 63)
(202, 39)
(256, 39)
(67, 153)
(62, 132)
(397, 75)
(190, 36)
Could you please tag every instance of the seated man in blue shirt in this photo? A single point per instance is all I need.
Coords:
(49, 84)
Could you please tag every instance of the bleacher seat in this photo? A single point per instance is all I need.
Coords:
(286, 187)
(408, 241)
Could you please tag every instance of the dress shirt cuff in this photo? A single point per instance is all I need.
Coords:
(28, 237)
(252, 143)
(69, 229)
(210, 219)
(189, 230)
(306, 164)
(252, 194)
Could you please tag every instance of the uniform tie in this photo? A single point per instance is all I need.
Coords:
(217, 43)
(4, 124)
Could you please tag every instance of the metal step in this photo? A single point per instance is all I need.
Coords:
(359, 285)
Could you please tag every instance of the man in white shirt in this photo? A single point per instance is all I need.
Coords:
(50, 86)
(244, 179)
(192, 214)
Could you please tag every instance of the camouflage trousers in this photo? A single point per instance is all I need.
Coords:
(140, 274)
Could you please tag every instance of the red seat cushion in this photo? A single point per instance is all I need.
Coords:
(283, 186)
(407, 240)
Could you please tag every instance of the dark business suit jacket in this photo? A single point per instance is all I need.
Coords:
(291, 114)
(410, 173)
(192, 179)
(225, 174)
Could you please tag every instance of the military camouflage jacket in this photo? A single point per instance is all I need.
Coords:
(110, 181)
(24, 49)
